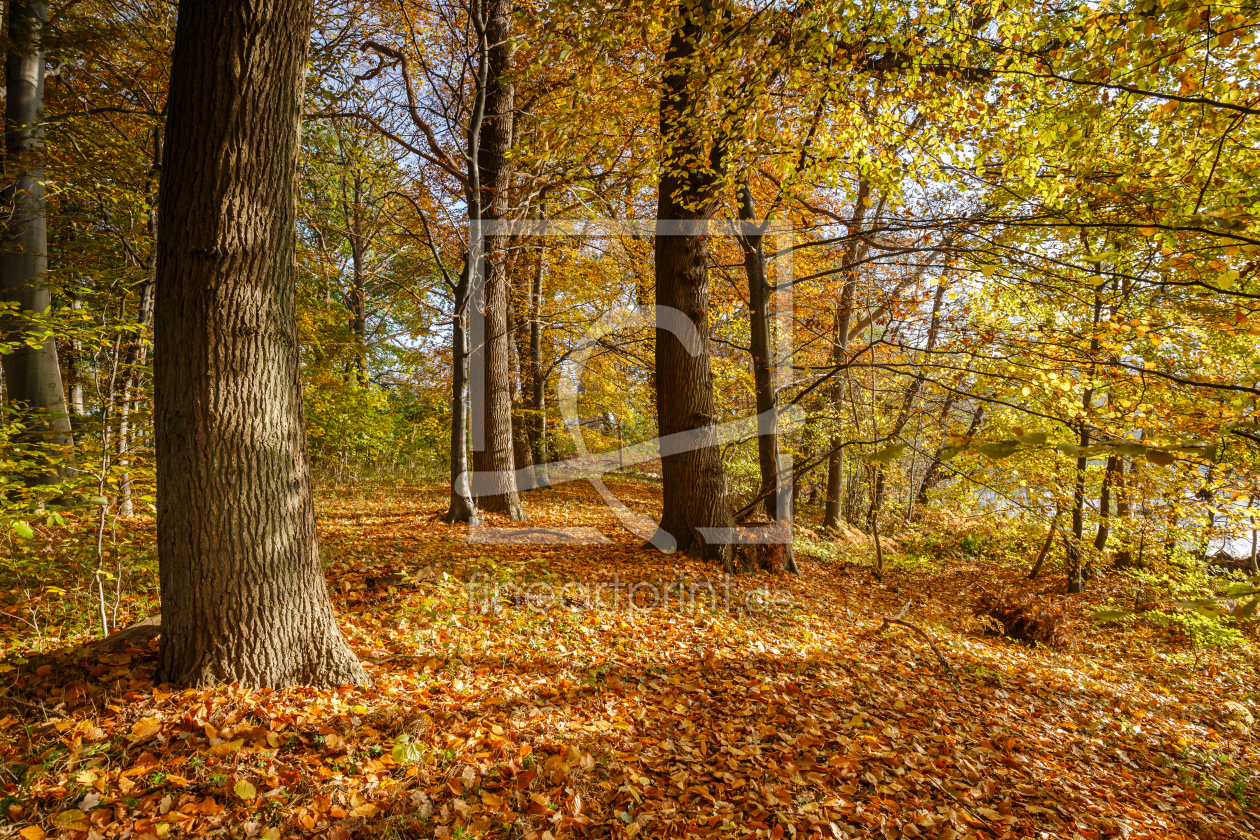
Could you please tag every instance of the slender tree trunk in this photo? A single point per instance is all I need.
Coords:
(461, 507)
(907, 401)
(840, 354)
(1104, 504)
(537, 425)
(522, 452)
(358, 281)
(694, 481)
(1076, 560)
(494, 481)
(243, 593)
(932, 474)
(778, 504)
(133, 364)
(1124, 556)
(137, 349)
(31, 373)
(74, 368)
(1255, 567)
(1045, 546)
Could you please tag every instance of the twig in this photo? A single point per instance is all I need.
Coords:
(897, 619)
(983, 822)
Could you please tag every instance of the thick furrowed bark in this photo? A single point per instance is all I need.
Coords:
(243, 594)
(494, 481)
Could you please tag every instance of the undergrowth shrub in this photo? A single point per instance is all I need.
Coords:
(1025, 619)
(1199, 630)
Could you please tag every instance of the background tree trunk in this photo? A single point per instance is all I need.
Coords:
(32, 375)
(243, 592)
(536, 422)
(1104, 504)
(137, 349)
(461, 508)
(840, 354)
(778, 504)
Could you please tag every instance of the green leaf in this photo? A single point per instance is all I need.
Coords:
(23, 530)
(1001, 449)
(1070, 449)
(407, 752)
(890, 453)
(1130, 449)
(1032, 439)
(1159, 457)
(1237, 590)
(1104, 616)
(98, 500)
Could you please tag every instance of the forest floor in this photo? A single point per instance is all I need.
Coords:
(553, 707)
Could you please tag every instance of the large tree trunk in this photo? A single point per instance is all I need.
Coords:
(31, 373)
(243, 593)
(494, 479)
(693, 481)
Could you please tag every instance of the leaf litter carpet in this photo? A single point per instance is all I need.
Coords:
(549, 691)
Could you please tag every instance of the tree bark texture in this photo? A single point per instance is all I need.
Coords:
(494, 481)
(694, 482)
(243, 592)
(462, 507)
(31, 373)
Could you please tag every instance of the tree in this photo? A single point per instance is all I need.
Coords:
(694, 481)
(32, 376)
(243, 594)
(494, 480)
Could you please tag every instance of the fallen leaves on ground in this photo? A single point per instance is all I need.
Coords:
(764, 706)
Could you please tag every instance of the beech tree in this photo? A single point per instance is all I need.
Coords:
(32, 376)
(494, 481)
(243, 593)
(693, 481)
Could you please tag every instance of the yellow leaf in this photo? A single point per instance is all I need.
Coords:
(492, 800)
(244, 790)
(74, 819)
(272, 833)
(145, 728)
